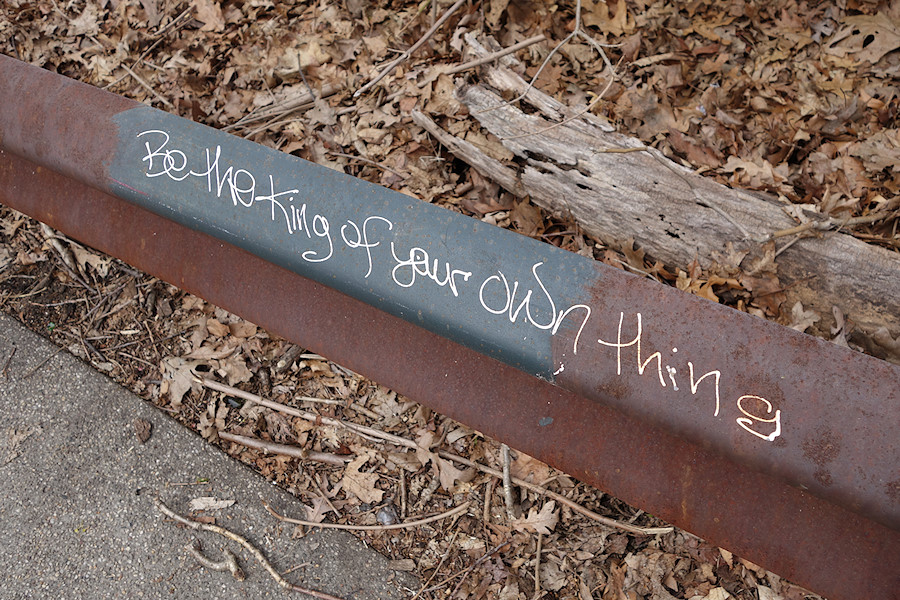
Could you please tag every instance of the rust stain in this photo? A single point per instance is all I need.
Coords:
(824, 449)
(823, 477)
(893, 490)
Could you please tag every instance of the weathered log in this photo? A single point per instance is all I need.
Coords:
(574, 165)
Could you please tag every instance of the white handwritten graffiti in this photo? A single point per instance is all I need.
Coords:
(641, 365)
(555, 318)
(521, 300)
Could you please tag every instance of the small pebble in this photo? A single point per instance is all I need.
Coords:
(387, 515)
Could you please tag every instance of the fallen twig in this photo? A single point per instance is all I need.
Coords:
(408, 525)
(576, 31)
(471, 567)
(402, 494)
(830, 223)
(395, 439)
(396, 62)
(308, 416)
(496, 55)
(652, 60)
(507, 483)
(273, 448)
(142, 339)
(146, 52)
(228, 563)
(147, 86)
(101, 302)
(559, 497)
(577, 115)
(56, 241)
(5, 369)
(439, 565)
(368, 161)
(197, 526)
(537, 569)
(281, 108)
(42, 363)
(488, 494)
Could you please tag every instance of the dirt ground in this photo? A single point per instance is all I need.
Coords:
(795, 98)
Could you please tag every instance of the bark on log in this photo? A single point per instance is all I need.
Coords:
(578, 169)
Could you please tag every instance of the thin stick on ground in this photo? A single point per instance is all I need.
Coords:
(197, 526)
(146, 52)
(228, 563)
(537, 569)
(367, 161)
(273, 448)
(507, 483)
(4, 372)
(402, 494)
(487, 58)
(280, 110)
(395, 439)
(323, 495)
(42, 363)
(831, 223)
(576, 31)
(559, 497)
(408, 525)
(488, 494)
(471, 567)
(147, 86)
(308, 416)
(396, 62)
(439, 565)
(571, 118)
(465, 571)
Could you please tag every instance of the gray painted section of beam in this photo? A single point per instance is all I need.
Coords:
(453, 275)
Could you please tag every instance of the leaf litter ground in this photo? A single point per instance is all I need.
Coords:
(795, 98)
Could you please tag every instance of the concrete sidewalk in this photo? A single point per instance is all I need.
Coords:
(77, 518)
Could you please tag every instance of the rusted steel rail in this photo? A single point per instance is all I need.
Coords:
(778, 446)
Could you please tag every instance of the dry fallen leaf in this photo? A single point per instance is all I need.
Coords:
(209, 503)
(14, 440)
(234, 369)
(538, 521)
(86, 22)
(213, 420)
(320, 507)
(210, 14)
(596, 14)
(767, 593)
(242, 329)
(718, 593)
(178, 374)
(449, 474)
(280, 428)
(362, 485)
(868, 37)
(216, 328)
(527, 218)
(801, 320)
(529, 469)
(83, 257)
(880, 151)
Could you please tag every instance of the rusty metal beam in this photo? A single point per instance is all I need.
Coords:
(627, 433)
